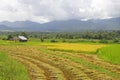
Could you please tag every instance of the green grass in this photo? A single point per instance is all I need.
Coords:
(11, 69)
(110, 53)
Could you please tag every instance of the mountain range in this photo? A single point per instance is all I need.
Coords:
(68, 25)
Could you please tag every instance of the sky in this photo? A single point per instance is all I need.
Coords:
(43, 11)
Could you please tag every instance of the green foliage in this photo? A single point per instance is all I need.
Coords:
(23, 34)
(42, 38)
(11, 70)
(9, 37)
(116, 40)
(53, 41)
(103, 41)
(93, 36)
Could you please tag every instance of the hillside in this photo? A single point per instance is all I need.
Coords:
(69, 25)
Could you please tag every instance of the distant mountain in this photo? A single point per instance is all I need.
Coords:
(68, 25)
(4, 27)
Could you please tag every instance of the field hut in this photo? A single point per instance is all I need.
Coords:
(22, 39)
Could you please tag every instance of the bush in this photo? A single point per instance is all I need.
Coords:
(116, 40)
(64, 40)
(53, 41)
(103, 41)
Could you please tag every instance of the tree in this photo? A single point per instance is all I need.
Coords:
(42, 38)
(9, 37)
(104, 41)
(116, 40)
(23, 34)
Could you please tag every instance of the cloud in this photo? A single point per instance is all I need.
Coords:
(49, 10)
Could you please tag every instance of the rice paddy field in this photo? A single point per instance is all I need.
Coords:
(110, 53)
(59, 61)
(75, 47)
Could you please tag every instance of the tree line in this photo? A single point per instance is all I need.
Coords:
(99, 35)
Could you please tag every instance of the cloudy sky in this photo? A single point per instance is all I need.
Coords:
(49, 10)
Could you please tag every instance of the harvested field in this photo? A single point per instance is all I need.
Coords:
(45, 64)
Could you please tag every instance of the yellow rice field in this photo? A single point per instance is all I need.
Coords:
(75, 47)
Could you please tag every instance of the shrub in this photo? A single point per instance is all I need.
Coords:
(53, 41)
(103, 41)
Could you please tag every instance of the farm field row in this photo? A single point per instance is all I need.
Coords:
(44, 64)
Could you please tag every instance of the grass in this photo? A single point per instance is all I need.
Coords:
(11, 69)
(110, 53)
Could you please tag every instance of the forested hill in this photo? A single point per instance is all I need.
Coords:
(69, 25)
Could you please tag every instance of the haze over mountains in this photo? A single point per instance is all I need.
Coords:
(69, 25)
